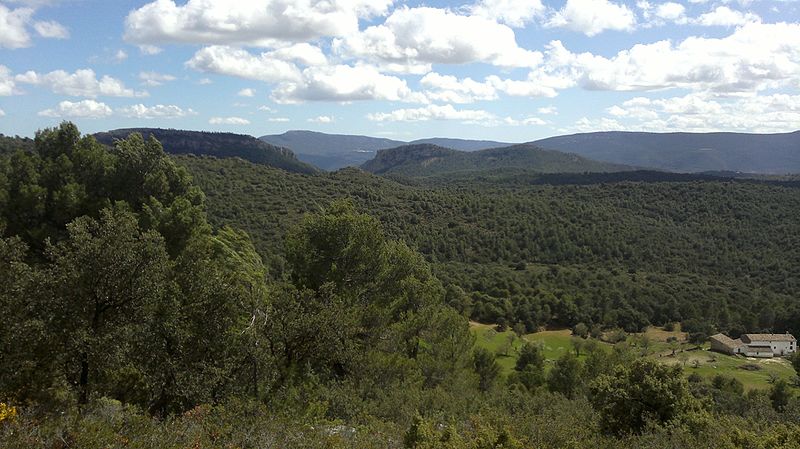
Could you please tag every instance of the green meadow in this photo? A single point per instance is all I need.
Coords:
(753, 373)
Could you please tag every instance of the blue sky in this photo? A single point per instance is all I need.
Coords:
(511, 70)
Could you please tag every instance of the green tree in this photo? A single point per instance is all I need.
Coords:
(780, 394)
(640, 392)
(529, 369)
(103, 282)
(485, 365)
(566, 375)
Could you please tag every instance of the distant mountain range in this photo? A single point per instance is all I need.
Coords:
(216, 144)
(429, 160)
(676, 152)
(687, 152)
(334, 151)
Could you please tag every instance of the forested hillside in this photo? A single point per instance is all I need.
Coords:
(215, 144)
(430, 160)
(621, 253)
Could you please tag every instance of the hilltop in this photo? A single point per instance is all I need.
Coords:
(429, 160)
(216, 144)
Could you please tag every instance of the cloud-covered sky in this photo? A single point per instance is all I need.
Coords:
(513, 70)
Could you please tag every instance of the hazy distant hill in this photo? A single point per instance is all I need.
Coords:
(429, 160)
(216, 144)
(333, 151)
(687, 152)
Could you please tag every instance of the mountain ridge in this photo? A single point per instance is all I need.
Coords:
(334, 151)
(777, 153)
(218, 144)
(418, 160)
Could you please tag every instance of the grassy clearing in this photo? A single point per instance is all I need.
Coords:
(709, 364)
(701, 361)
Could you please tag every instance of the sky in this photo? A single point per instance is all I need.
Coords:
(508, 70)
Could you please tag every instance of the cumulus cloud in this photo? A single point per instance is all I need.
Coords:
(277, 119)
(79, 109)
(449, 89)
(592, 17)
(343, 83)
(755, 57)
(154, 78)
(726, 17)
(411, 39)
(152, 112)
(515, 13)
(82, 83)
(228, 121)
(120, 55)
(51, 29)
(671, 11)
(322, 119)
(700, 112)
(7, 84)
(433, 112)
(150, 50)
(247, 92)
(249, 22)
(13, 27)
(2, 113)
(241, 63)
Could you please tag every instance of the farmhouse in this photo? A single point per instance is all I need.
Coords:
(755, 345)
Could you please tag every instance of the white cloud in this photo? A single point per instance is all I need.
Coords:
(699, 112)
(204, 81)
(154, 78)
(261, 23)
(528, 121)
(515, 13)
(433, 112)
(247, 92)
(343, 83)
(2, 113)
(51, 29)
(149, 50)
(267, 109)
(755, 57)
(157, 111)
(449, 89)
(591, 125)
(302, 53)
(322, 119)
(548, 110)
(671, 11)
(278, 119)
(120, 55)
(82, 83)
(411, 39)
(228, 121)
(7, 84)
(726, 17)
(238, 62)
(79, 109)
(13, 27)
(592, 17)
